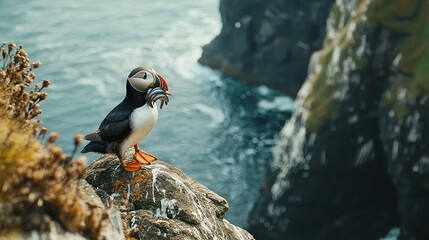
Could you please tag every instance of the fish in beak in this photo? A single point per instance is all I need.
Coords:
(159, 91)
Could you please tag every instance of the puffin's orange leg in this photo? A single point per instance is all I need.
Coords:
(143, 157)
(131, 166)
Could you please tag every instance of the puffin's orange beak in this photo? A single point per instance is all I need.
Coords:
(163, 84)
(155, 93)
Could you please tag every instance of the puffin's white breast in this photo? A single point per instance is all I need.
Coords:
(142, 119)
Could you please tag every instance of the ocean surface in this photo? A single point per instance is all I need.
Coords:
(217, 130)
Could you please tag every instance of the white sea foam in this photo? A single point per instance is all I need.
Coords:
(215, 114)
(281, 103)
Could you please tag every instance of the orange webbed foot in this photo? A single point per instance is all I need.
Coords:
(143, 157)
(131, 166)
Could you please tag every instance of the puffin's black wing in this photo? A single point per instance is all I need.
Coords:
(116, 126)
(113, 130)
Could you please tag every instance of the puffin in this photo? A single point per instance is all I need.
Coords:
(132, 119)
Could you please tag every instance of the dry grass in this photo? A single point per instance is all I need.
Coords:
(38, 182)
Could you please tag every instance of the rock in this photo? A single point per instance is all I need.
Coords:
(160, 202)
(111, 223)
(268, 42)
(352, 162)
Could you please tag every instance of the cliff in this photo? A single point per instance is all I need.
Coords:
(352, 162)
(268, 42)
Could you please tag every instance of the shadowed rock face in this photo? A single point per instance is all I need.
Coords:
(160, 202)
(353, 160)
(268, 42)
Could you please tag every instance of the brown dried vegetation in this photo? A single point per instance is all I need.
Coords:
(38, 182)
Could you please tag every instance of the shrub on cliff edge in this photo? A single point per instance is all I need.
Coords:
(38, 182)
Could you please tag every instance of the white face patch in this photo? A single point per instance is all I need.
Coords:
(141, 80)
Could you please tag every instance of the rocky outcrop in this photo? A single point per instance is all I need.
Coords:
(353, 161)
(268, 42)
(160, 202)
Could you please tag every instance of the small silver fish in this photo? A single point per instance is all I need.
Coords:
(155, 94)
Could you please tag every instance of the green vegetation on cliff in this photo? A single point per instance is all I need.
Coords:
(345, 48)
(410, 19)
(330, 68)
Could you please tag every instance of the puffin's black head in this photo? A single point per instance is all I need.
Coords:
(142, 79)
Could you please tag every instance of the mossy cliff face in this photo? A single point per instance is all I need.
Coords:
(353, 161)
(346, 51)
(268, 42)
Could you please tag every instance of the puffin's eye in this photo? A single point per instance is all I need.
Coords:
(145, 76)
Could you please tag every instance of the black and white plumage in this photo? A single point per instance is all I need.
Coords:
(132, 119)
